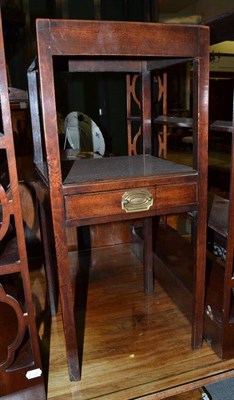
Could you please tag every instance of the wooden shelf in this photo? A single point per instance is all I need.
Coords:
(221, 126)
(105, 170)
(174, 121)
(218, 214)
(132, 118)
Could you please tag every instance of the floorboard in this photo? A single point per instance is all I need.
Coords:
(133, 345)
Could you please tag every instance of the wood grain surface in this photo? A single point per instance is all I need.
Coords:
(134, 346)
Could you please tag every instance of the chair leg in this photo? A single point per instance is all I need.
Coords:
(51, 274)
(148, 256)
(198, 236)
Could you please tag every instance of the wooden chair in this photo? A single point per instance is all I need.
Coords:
(20, 363)
(96, 191)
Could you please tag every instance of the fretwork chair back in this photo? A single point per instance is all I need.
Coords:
(20, 363)
(109, 189)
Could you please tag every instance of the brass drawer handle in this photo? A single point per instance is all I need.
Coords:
(137, 200)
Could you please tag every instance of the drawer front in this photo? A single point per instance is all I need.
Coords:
(109, 203)
(175, 195)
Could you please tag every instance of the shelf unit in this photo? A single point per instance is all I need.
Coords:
(20, 364)
(219, 323)
(134, 130)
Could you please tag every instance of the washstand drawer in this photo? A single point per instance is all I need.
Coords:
(91, 205)
(175, 195)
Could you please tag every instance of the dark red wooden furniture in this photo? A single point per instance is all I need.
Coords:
(219, 327)
(97, 191)
(20, 365)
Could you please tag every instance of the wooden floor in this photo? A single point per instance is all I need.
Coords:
(133, 346)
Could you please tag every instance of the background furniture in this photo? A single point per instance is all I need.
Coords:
(134, 112)
(94, 191)
(20, 365)
(219, 329)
